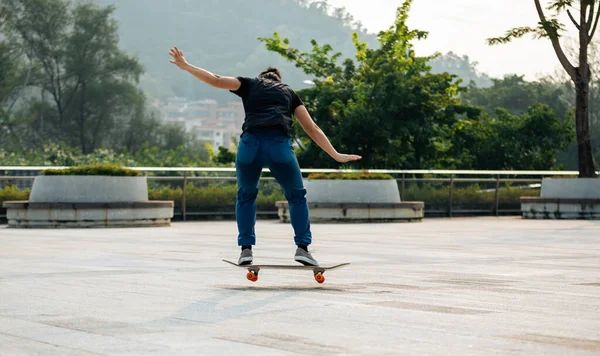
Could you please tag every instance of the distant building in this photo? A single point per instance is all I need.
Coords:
(211, 123)
(217, 136)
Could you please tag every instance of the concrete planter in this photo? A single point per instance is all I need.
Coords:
(357, 212)
(87, 215)
(571, 188)
(88, 189)
(355, 201)
(88, 201)
(573, 198)
(352, 191)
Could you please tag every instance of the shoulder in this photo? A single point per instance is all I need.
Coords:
(288, 89)
(296, 101)
(246, 84)
(291, 91)
(248, 80)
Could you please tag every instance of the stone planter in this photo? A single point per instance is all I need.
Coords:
(571, 188)
(88, 201)
(571, 198)
(357, 212)
(88, 189)
(352, 191)
(355, 201)
(25, 214)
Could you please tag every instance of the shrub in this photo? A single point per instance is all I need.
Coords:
(469, 195)
(214, 197)
(93, 170)
(12, 193)
(350, 176)
(220, 198)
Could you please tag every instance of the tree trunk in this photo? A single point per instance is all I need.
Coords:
(582, 98)
(96, 132)
(42, 112)
(584, 146)
(82, 122)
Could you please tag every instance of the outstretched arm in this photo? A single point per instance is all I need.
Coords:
(217, 81)
(317, 135)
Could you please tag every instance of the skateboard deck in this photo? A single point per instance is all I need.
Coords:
(318, 271)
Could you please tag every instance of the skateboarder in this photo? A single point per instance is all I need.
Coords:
(269, 105)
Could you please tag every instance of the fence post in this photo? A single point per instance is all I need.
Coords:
(402, 189)
(183, 197)
(450, 198)
(497, 197)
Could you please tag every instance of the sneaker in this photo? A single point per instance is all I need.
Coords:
(245, 257)
(305, 258)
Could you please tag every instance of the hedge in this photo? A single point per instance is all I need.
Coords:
(213, 198)
(12, 193)
(350, 176)
(221, 198)
(470, 195)
(93, 170)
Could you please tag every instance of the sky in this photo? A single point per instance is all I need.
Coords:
(462, 26)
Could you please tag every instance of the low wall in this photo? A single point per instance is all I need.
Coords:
(88, 201)
(357, 212)
(552, 208)
(26, 214)
(572, 198)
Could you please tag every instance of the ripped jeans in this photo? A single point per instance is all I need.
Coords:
(269, 147)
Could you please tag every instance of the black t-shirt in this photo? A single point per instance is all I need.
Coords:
(267, 102)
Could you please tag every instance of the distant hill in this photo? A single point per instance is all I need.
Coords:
(221, 36)
(463, 67)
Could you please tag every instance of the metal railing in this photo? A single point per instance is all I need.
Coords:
(532, 179)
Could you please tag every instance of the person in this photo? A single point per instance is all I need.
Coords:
(269, 105)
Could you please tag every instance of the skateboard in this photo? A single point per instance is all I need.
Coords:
(318, 271)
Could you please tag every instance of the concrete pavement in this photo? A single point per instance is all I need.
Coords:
(474, 286)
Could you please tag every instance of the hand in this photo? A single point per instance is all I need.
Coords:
(343, 158)
(178, 58)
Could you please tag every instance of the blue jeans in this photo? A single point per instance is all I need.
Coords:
(269, 147)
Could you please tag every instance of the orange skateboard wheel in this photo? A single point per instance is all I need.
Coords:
(319, 278)
(251, 276)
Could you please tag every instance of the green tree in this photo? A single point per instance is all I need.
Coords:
(143, 126)
(90, 81)
(586, 24)
(517, 95)
(7, 63)
(387, 106)
(13, 81)
(60, 154)
(82, 90)
(40, 28)
(107, 76)
(530, 141)
(224, 156)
